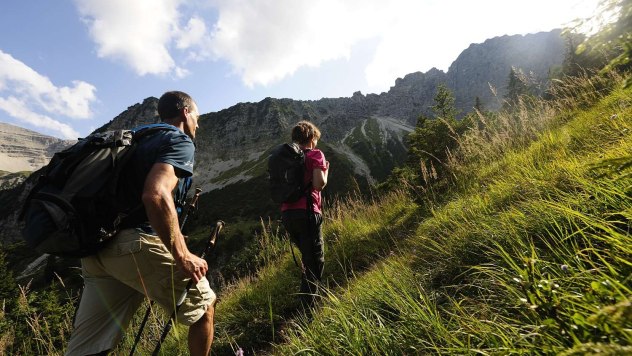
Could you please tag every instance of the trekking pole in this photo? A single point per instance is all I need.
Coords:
(190, 207)
(209, 247)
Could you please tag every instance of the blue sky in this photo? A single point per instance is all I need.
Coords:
(69, 66)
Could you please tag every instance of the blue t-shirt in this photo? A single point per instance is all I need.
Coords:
(170, 146)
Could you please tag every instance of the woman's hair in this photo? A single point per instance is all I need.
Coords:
(304, 132)
(171, 104)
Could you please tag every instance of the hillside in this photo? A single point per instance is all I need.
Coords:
(527, 250)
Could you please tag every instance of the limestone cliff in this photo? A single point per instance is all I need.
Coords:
(363, 134)
(26, 150)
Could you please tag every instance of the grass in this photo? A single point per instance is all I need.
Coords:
(45, 322)
(243, 319)
(529, 255)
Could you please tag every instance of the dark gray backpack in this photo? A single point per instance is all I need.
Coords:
(74, 208)
(286, 170)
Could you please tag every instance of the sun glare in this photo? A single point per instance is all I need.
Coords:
(589, 25)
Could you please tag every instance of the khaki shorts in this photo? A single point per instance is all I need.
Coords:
(117, 280)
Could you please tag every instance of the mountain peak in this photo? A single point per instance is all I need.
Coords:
(135, 115)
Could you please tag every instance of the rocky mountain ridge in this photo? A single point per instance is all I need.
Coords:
(233, 139)
(363, 134)
(26, 150)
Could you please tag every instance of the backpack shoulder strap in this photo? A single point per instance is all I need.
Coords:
(308, 185)
(308, 191)
(160, 125)
(142, 131)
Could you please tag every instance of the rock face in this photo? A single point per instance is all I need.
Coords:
(135, 115)
(363, 134)
(232, 142)
(25, 150)
(486, 65)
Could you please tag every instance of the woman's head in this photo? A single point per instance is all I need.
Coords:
(305, 132)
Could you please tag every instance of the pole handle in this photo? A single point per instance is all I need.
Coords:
(192, 204)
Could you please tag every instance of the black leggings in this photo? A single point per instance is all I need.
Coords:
(309, 239)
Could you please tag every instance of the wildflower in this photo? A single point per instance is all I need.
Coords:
(564, 268)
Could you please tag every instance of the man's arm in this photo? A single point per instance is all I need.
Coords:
(161, 211)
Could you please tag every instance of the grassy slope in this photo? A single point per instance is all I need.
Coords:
(528, 255)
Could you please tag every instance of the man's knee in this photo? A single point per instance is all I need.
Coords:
(197, 305)
(208, 316)
(205, 323)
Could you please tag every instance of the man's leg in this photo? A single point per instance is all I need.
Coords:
(201, 333)
(105, 309)
(154, 272)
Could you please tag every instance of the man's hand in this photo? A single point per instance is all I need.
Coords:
(192, 266)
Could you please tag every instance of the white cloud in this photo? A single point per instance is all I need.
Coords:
(180, 73)
(137, 32)
(19, 78)
(265, 43)
(146, 35)
(268, 41)
(19, 109)
(24, 93)
(192, 34)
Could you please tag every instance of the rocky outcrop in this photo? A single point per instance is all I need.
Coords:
(232, 143)
(11, 180)
(135, 115)
(487, 65)
(26, 150)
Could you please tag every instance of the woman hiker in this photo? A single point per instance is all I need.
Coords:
(303, 225)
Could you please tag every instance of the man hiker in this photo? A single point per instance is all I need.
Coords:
(149, 259)
(303, 222)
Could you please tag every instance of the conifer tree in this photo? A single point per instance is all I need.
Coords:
(516, 85)
(433, 137)
(444, 103)
(573, 63)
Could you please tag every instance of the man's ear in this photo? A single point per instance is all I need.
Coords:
(183, 113)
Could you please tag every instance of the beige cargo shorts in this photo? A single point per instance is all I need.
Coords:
(117, 279)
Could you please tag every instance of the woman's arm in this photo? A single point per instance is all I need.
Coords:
(319, 177)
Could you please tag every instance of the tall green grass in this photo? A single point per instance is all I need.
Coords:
(44, 322)
(531, 256)
(257, 310)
